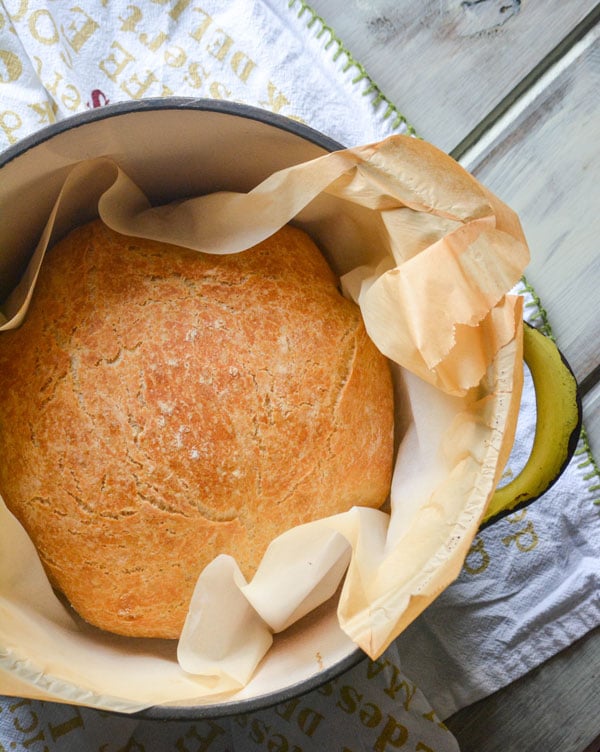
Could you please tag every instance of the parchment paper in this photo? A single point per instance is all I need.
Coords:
(429, 255)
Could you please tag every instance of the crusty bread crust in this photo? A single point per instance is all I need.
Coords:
(160, 406)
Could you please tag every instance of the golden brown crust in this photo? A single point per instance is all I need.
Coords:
(160, 405)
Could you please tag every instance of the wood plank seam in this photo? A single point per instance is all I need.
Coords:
(471, 155)
(590, 381)
(538, 72)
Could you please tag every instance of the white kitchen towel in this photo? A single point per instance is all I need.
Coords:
(60, 58)
(530, 583)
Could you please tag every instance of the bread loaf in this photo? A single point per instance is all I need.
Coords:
(160, 406)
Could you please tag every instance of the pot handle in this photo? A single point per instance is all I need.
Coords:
(558, 424)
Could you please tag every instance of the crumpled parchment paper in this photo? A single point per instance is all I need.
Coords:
(429, 255)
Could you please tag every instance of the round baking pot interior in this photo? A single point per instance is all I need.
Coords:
(175, 148)
(172, 148)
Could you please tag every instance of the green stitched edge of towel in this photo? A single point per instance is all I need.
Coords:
(584, 450)
(378, 96)
(541, 317)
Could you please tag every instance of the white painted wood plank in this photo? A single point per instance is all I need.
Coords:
(447, 63)
(542, 158)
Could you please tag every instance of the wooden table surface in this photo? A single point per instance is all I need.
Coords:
(510, 88)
